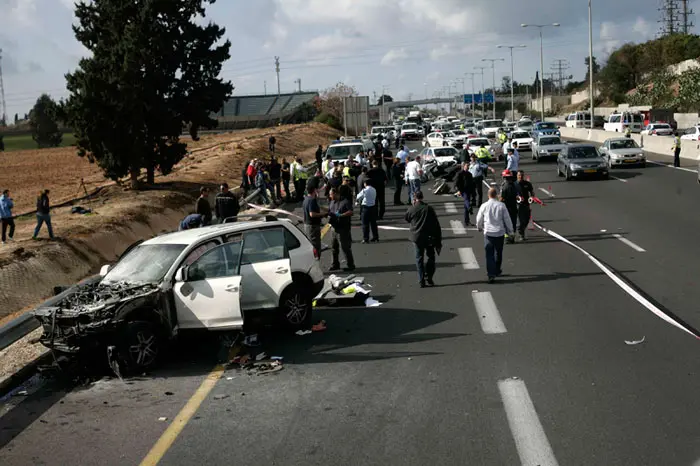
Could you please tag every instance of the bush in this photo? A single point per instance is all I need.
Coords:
(328, 119)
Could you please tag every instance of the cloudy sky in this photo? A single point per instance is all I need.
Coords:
(410, 46)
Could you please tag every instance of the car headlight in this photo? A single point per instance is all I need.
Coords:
(575, 166)
(641, 155)
(543, 151)
(602, 165)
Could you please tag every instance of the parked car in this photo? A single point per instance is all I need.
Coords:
(658, 129)
(214, 278)
(546, 146)
(578, 120)
(496, 150)
(524, 140)
(445, 156)
(525, 125)
(692, 134)
(580, 160)
(489, 128)
(622, 151)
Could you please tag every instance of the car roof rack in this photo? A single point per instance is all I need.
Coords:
(263, 217)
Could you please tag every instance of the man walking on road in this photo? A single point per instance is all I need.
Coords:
(465, 187)
(509, 196)
(312, 219)
(426, 235)
(414, 171)
(526, 192)
(397, 174)
(478, 169)
(493, 219)
(273, 142)
(379, 181)
(340, 214)
(368, 213)
(676, 150)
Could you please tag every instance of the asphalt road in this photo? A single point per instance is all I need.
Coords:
(533, 369)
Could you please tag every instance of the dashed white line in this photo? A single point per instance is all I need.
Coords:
(458, 227)
(530, 439)
(671, 166)
(547, 192)
(629, 243)
(488, 186)
(489, 317)
(466, 256)
(618, 179)
(450, 207)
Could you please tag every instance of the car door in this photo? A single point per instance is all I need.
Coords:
(265, 267)
(207, 292)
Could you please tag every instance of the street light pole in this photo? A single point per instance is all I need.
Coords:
(512, 76)
(541, 26)
(483, 97)
(591, 91)
(493, 70)
(472, 104)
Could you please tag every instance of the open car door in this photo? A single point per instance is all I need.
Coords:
(207, 293)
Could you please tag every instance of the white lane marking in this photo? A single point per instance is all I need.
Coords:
(671, 166)
(458, 227)
(488, 185)
(625, 287)
(450, 207)
(530, 440)
(547, 192)
(468, 259)
(486, 310)
(629, 243)
(618, 179)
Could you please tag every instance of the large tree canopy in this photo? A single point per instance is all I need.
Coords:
(43, 120)
(152, 71)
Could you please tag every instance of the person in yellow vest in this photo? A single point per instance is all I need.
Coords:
(326, 165)
(483, 154)
(299, 175)
(676, 150)
(502, 138)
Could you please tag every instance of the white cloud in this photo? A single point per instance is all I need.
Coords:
(393, 56)
(336, 44)
(643, 28)
(19, 13)
(609, 36)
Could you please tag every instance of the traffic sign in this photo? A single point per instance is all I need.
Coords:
(478, 98)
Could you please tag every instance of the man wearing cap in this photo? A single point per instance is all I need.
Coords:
(509, 196)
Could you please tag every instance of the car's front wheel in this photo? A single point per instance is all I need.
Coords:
(140, 345)
(296, 307)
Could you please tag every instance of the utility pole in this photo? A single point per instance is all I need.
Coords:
(265, 86)
(493, 70)
(3, 113)
(483, 91)
(669, 17)
(558, 67)
(686, 13)
(384, 89)
(298, 81)
(540, 27)
(512, 76)
(277, 70)
(471, 106)
(591, 91)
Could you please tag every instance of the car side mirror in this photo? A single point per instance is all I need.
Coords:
(181, 275)
(104, 269)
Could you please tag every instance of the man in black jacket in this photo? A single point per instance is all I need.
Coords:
(226, 204)
(465, 187)
(379, 180)
(426, 235)
(202, 207)
(509, 196)
(340, 213)
(526, 193)
(319, 157)
(273, 142)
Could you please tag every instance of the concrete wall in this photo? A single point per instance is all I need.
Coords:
(653, 144)
(582, 96)
(686, 120)
(550, 102)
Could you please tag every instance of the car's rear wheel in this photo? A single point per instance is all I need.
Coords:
(140, 346)
(296, 307)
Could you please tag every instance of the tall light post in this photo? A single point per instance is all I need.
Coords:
(591, 91)
(384, 115)
(540, 27)
(493, 70)
(483, 97)
(512, 76)
(425, 85)
(472, 104)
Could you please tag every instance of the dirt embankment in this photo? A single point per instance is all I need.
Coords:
(30, 269)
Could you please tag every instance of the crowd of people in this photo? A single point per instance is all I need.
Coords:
(43, 216)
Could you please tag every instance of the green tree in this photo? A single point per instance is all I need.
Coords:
(43, 120)
(596, 67)
(384, 98)
(153, 70)
(16, 118)
(330, 103)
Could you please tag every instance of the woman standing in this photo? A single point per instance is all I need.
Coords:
(43, 214)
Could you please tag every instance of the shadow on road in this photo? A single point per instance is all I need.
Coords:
(506, 279)
(624, 175)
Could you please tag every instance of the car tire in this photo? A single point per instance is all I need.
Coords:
(296, 307)
(140, 345)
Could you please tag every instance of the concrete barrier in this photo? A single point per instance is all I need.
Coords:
(662, 145)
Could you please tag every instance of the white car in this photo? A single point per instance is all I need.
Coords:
(213, 278)
(658, 129)
(525, 125)
(546, 146)
(411, 131)
(619, 152)
(343, 148)
(692, 134)
(523, 138)
(496, 150)
(436, 139)
(490, 128)
(442, 155)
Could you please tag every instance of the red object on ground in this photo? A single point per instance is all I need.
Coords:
(538, 200)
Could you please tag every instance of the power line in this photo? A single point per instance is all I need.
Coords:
(559, 66)
(674, 17)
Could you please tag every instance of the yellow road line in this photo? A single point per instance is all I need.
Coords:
(183, 417)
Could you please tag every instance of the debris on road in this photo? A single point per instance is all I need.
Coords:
(371, 302)
(351, 289)
(301, 333)
(635, 342)
(221, 397)
(169, 393)
(319, 327)
(261, 356)
(162, 419)
(22, 393)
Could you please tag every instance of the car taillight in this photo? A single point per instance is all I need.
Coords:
(316, 254)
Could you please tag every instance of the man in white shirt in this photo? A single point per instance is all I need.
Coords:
(367, 198)
(493, 219)
(385, 141)
(513, 160)
(414, 171)
(403, 154)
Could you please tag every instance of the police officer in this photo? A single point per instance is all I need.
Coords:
(478, 170)
(676, 150)
(509, 196)
(483, 154)
(526, 193)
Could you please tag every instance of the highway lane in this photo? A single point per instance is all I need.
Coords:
(424, 378)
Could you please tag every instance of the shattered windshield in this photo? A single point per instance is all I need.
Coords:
(147, 263)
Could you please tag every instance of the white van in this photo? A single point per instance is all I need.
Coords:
(579, 120)
(619, 121)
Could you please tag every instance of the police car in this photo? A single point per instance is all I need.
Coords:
(342, 148)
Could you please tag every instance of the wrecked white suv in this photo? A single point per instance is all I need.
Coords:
(214, 278)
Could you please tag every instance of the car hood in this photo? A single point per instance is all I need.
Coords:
(623, 152)
(595, 161)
